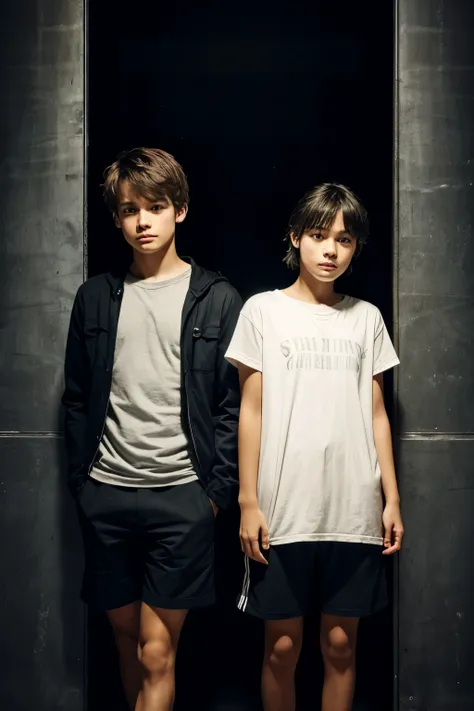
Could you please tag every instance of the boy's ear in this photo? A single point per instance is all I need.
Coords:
(117, 221)
(181, 214)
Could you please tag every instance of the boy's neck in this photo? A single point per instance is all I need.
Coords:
(159, 266)
(307, 288)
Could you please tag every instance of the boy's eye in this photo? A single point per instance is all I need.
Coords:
(317, 235)
(157, 208)
(129, 210)
(344, 240)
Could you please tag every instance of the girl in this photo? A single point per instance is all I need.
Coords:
(315, 452)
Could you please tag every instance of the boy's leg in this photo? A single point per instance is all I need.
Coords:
(125, 622)
(114, 570)
(159, 635)
(338, 646)
(178, 535)
(283, 640)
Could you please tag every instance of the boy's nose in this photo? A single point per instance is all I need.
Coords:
(143, 219)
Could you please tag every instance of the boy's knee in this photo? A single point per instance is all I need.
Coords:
(156, 657)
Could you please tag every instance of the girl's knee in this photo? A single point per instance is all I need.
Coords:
(338, 646)
(283, 652)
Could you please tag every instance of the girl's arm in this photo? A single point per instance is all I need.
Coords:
(253, 526)
(392, 518)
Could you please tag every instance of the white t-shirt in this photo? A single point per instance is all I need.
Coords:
(319, 478)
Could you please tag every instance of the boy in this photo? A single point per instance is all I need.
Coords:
(314, 445)
(151, 425)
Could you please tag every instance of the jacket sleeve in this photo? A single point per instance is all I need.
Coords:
(76, 394)
(224, 480)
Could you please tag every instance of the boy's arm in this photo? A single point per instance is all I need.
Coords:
(223, 481)
(76, 393)
(392, 519)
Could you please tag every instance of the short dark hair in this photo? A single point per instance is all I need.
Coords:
(318, 209)
(151, 172)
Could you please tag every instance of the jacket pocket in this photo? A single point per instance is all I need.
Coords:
(205, 342)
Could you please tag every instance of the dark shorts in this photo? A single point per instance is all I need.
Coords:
(155, 545)
(343, 579)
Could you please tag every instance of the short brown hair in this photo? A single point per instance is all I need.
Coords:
(151, 172)
(318, 209)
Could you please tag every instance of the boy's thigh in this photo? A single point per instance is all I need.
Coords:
(351, 579)
(178, 537)
(113, 574)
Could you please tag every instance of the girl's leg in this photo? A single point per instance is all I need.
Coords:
(338, 646)
(283, 639)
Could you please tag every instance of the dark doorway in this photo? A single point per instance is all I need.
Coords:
(259, 102)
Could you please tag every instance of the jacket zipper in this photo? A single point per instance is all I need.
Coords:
(100, 438)
(191, 432)
(193, 440)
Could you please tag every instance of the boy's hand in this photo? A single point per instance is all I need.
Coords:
(215, 508)
(393, 529)
(253, 529)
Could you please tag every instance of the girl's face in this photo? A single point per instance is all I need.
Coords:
(326, 253)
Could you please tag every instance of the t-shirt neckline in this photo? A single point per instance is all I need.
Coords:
(319, 309)
(132, 280)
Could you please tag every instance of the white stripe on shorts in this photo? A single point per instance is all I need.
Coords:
(242, 604)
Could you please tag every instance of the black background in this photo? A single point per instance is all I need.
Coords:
(259, 102)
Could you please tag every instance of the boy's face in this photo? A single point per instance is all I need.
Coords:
(326, 254)
(147, 226)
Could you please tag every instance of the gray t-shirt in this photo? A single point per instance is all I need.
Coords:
(319, 476)
(143, 443)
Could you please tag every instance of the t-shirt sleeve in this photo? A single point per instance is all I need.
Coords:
(385, 356)
(246, 346)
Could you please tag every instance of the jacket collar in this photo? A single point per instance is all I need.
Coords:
(201, 279)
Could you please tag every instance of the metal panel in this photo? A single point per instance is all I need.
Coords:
(436, 212)
(437, 576)
(41, 266)
(436, 380)
(435, 307)
(41, 618)
(41, 189)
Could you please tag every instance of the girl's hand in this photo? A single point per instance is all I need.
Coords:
(393, 529)
(253, 529)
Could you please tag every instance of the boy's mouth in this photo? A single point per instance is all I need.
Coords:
(146, 238)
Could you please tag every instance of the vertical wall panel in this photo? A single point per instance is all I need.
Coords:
(41, 266)
(435, 211)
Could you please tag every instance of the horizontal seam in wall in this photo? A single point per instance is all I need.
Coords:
(14, 434)
(433, 436)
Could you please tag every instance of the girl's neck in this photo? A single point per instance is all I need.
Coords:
(307, 288)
